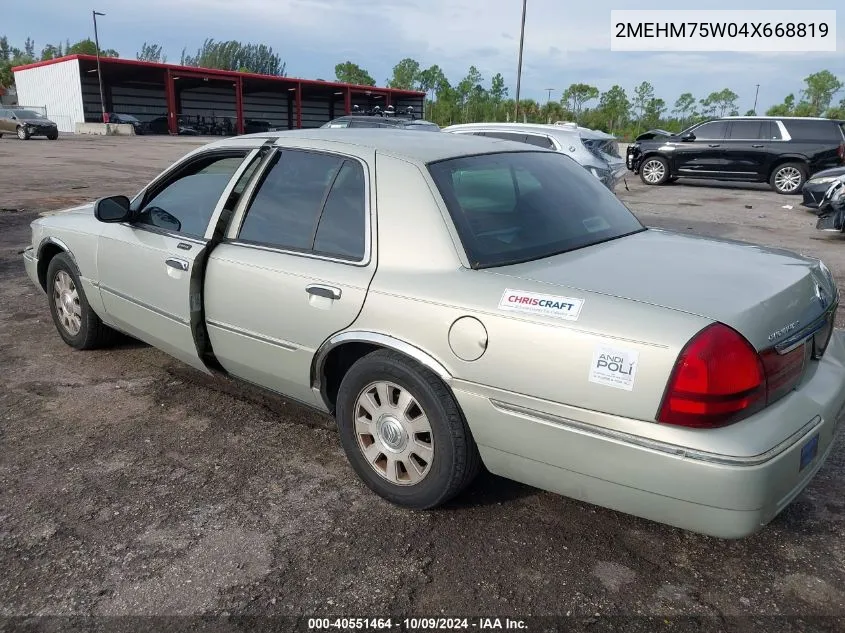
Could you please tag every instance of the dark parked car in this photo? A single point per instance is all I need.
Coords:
(26, 124)
(127, 119)
(783, 151)
(815, 188)
(159, 126)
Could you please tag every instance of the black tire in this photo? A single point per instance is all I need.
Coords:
(654, 170)
(93, 333)
(455, 461)
(794, 175)
(52, 136)
(1, 136)
(23, 133)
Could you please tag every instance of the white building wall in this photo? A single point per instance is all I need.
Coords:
(56, 87)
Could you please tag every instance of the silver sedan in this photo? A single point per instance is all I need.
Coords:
(456, 301)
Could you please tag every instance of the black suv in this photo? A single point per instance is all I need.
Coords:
(382, 118)
(783, 151)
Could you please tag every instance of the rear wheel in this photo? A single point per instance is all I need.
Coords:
(788, 178)
(403, 431)
(654, 170)
(77, 323)
(53, 136)
(23, 133)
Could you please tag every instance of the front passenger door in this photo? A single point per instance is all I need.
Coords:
(704, 156)
(150, 270)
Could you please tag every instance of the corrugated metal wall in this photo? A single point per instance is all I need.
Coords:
(207, 101)
(143, 101)
(55, 87)
(315, 111)
(268, 106)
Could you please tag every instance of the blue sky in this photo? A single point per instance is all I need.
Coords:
(566, 41)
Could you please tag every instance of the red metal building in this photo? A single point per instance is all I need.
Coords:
(68, 88)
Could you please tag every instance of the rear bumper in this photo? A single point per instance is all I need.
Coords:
(727, 496)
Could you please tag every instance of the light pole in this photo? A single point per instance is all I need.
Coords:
(755, 98)
(99, 72)
(519, 68)
(548, 105)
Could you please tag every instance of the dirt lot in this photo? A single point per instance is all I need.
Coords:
(132, 485)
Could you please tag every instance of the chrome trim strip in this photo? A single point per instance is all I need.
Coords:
(308, 254)
(656, 445)
(806, 333)
(376, 338)
(146, 306)
(253, 335)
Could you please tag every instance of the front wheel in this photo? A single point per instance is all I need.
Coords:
(52, 136)
(654, 170)
(403, 432)
(788, 178)
(78, 325)
(23, 133)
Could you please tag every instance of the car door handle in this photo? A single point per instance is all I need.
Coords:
(329, 292)
(714, 145)
(175, 262)
(757, 145)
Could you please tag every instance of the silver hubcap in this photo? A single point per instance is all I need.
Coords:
(394, 433)
(788, 179)
(653, 171)
(21, 133)
(66, 298)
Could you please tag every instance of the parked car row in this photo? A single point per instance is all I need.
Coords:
(454, 300)
(783, 151)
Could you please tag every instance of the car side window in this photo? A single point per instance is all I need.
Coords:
(539, 140)
(713, 131)
(286, 208)
(746, 130)
(771, 131)
(185, 205)
(507, 136)
(341, 231)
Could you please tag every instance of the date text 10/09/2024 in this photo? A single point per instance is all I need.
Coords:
(415, 624)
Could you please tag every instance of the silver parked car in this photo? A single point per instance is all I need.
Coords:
(457, 301)
(596, 151)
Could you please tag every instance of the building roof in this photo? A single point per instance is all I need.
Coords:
(415, 146)
(222, 74)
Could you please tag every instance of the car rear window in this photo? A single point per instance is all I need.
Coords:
(512, 207)
(813, 130)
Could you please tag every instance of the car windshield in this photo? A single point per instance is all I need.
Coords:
(26, 114)
(513, 207)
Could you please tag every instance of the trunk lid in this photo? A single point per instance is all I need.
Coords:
(768, 295)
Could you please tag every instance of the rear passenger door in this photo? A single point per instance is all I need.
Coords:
(747, 148)
(294, 268)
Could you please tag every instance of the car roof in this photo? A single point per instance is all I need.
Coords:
(551, 129)
(423, 148)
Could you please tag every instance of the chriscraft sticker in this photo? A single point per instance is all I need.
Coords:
(614, 367)
(535, 303)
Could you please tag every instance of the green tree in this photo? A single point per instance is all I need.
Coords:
(614, 107)
(406, 75)
(29, 48)
(151, 53)
(643, 94)
(234, 55)
(821, 87)
(88, 47)
(51, 52)
(653, 111)
(577, 95)
(751, 112)
(783, 109)
(685, 108)
(350, 73)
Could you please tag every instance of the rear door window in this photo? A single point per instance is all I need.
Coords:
(539, 140)
(746, 130)
(813, 130)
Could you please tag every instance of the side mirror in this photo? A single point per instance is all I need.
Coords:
(689, 136)
(112, 209)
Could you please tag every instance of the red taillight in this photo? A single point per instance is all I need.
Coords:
(842, 152)
(719, 378)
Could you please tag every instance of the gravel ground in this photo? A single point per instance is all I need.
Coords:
(133, 485)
